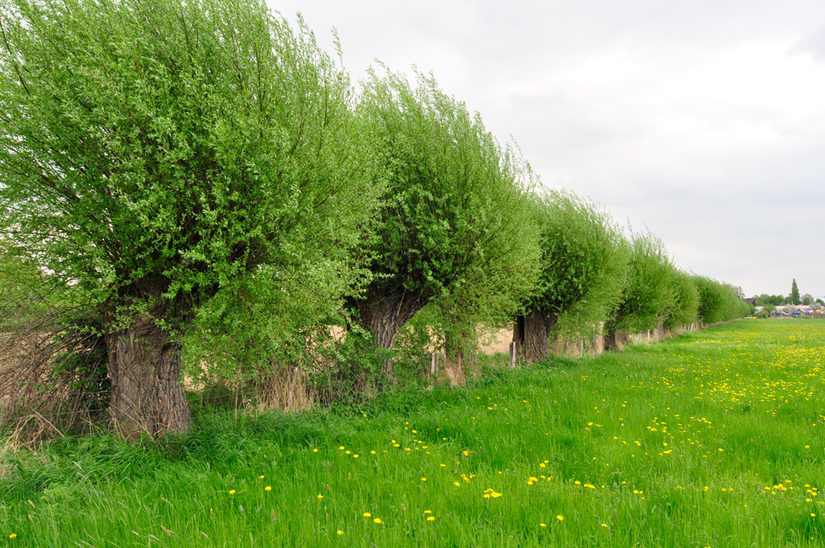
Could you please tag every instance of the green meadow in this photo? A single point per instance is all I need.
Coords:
(715, 438)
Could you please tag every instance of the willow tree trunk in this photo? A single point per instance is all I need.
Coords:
(532, 333)
(615, 339)
(383, 315)
(144, 369)
(461, 347)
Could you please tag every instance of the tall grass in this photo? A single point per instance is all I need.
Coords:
(712, 439)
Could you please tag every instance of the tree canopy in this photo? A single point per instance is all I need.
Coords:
(452, 203)
(155, 152)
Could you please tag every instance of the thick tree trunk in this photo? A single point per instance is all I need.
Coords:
(615, 339)
(383, 315)
(460, 349)
(144, 368)
(532, 333)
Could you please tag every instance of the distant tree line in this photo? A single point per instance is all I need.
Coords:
(792, 298)
(195, 189)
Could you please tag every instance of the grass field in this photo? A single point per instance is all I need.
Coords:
(713, 439)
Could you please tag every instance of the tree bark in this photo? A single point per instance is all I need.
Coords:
(615, 339)
(383, 315)
(532, 333)
(144, 368)
(460, 347)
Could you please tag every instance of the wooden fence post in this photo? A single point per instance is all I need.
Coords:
(513, 345)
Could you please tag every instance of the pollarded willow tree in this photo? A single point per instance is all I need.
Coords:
(452, 201)
(491, 291)
(582, 272)
(153, 151)
(649, 293)
(685, 307)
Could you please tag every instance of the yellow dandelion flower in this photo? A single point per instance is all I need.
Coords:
(560, 517)
(341, 448)
(232, 491)
(315, 451)
(320, 496)
(261, 476)
(340, 532)
(13, 535)
(377, 521)
(423, 479)
(542, 525)
(430, 518)
(428, 511)
(456, 483)
(367, 515)
(268, 488)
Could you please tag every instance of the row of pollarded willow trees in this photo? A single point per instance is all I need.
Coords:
(202, 183)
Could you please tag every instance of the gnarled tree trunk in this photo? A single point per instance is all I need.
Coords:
(532, 333)
(615, 339)
(460, 349)
(144, 368)
(383, 315)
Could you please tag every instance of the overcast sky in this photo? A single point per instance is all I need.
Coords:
(702, 120)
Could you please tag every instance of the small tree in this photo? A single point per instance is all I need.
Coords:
(582, 272)
(794, 296)
(649, 293)
(155, 152)
(685, 308)
(451, 206)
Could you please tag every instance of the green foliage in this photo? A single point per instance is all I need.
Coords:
(685, 309)
(156, 151)
(718, 301)
(775, 300)
(650, 291)
(452, 221)
(794, 296)
(584, 259)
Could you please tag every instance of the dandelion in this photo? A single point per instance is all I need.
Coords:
(261, 476)
(367, 515)
(423, 479)
(428, 511)
(430, 518)
(13, 535)
(315, 451)
(268, 488)
(232, 491)
(320, 496)
(377, 521)
(560, 517)
(340, 532)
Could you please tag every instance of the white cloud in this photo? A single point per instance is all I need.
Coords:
(703, 120)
